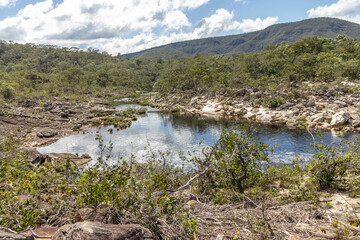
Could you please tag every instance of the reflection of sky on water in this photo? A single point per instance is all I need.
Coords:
(179, 134)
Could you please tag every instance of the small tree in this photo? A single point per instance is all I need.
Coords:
(236, 161)
(329, 165)
(7, 93)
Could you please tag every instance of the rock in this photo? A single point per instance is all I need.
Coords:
(101, 214)
(295, 237)
(220, 237)
(41, 159)
(340, 103)
(241, 92)
(356, 123)
(257, 94)
(64, 115)
(340, 118)
(85, 214)
(99, 231)
(29, 103)
(310, 104)
(287, 105)
(11, 236)
(48, 106)
(192, 202)
(46, 231)
(46, 133)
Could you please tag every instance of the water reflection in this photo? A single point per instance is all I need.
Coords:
(179, 134)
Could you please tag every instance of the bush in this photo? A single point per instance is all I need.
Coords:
(235, 162)
(273, 102)
(329, 166)
(7, 93)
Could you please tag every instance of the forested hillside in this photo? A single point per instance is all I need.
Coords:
(30, 70)
(254, 41)
(42, 70)
(278, 66)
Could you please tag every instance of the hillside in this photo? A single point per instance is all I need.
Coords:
(254, 41)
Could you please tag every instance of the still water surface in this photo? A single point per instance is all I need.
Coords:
(178, 134)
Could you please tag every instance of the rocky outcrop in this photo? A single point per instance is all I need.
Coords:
(340, 118)
(99, 231)
(12, 236)
(101, 214)
(46, 133)
(318, 109)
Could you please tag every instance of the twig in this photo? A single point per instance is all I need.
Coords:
(53, 216)
(352, 207)
(307, 128)
(9, 230)
(250, 200)
(38, 236)
(193, 179)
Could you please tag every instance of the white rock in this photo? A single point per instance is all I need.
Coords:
(340, 118)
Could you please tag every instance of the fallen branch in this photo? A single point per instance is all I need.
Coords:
(193, 179)
(8, 229)
(38, 236)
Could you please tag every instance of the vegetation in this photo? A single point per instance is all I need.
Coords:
(235, 174)
(42, 71)
(153, 193)
(254, 41)
(280, 66)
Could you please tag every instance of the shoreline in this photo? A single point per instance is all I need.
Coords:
(319, 112)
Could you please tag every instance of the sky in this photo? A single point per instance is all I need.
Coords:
(125, 26)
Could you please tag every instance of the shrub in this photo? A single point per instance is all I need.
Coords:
(329, 166)
(273, 102)
(235, 162)
(7, 93)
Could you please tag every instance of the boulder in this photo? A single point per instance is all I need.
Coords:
(340, 118)
(310, 104)
(101, 214)
(48, 106)
(46, 133)
(242, 92)
(28, 103)
(99, 231)
(11, 236)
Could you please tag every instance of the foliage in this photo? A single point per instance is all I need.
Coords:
(329, 166)
(254, 41)
(234, 162)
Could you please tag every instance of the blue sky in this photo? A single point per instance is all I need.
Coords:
(123, 26)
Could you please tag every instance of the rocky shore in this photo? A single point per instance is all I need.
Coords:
(36, 123)
(326, 110)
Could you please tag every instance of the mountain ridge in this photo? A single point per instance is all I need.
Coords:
(254, 41)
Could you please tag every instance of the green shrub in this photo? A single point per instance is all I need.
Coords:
(273, 102)
(329, 166)
(7, 93)
(235, 162)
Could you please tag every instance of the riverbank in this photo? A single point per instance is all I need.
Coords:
(36, 123)
(326, 110)
(285, 201)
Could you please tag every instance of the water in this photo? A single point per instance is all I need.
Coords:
(160, 132)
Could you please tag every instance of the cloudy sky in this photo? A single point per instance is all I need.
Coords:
(124, 26)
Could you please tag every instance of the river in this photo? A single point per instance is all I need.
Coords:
(177, 135)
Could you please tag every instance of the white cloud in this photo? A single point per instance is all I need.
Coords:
(5, 3)
(241, 1)
(119, 26)
(176, 20)
(37, 10)
(248, 25)
(344, 9)
(340, 9)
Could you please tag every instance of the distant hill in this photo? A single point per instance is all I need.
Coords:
(254, 41)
